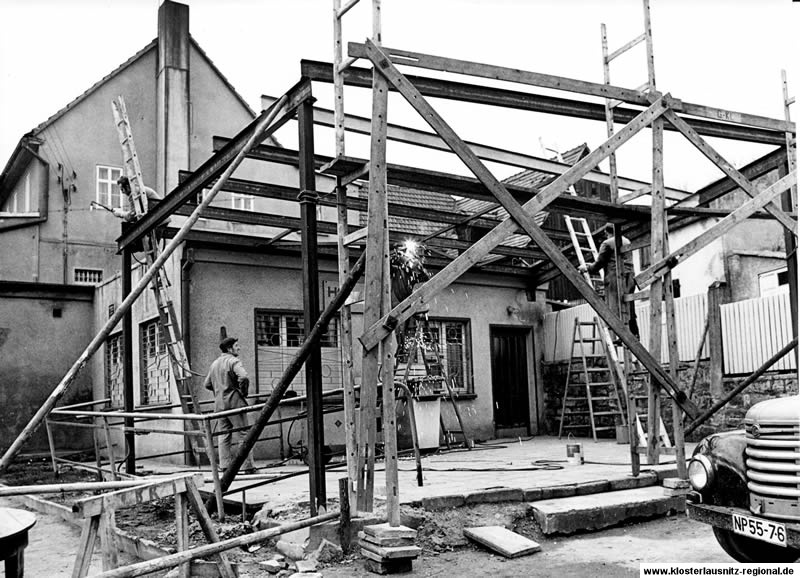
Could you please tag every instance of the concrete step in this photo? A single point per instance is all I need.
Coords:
(596, 511)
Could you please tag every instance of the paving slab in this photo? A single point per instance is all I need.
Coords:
(596, 511)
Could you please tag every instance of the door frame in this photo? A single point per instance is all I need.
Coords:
(533, 426)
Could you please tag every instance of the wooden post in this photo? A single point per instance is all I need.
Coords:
(110, 447)
(657, 224)
(345, 317)
(212, 459)
(718, 294)
(672, 344)
(373, 290)
(196, 502)
(182, 530)
(83, 560)
(108, 539)
(344, 514)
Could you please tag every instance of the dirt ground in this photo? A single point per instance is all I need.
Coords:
(446, 551)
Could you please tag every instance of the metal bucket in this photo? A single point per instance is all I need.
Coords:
(575, 454)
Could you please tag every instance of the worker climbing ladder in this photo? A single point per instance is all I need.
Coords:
(170, 330)
(431, 359)
(584, 245)
(595, 385)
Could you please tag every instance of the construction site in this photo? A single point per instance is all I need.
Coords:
(264, 360)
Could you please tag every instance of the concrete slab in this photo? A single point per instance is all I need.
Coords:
(596, 511)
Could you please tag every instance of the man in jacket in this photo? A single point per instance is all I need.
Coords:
(228, 380)
(614, 295)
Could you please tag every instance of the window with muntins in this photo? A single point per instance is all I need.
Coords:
(279, 335)
(448, 352)
(108, 192)
(242, 202)
(114, 377)
(154, 364)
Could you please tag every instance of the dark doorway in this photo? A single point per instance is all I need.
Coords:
(510, 378)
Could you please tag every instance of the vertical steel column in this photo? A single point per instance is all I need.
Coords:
(127, 365)
(308, 215)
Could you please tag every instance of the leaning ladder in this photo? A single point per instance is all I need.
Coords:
(170, 330)
(576, 234)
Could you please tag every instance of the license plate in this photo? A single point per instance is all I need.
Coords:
(759, 529)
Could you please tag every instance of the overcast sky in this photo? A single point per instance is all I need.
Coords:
(726, 54)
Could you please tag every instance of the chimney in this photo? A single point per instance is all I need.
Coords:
(172, 95)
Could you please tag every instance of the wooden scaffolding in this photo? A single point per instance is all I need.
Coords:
(635, 110)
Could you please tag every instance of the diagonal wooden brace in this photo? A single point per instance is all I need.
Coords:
(419, 299)
(658, 269)
(525, 219)
(727, 168)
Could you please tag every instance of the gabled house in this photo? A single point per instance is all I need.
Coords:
(56, 244)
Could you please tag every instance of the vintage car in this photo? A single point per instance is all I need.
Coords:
(746, 484)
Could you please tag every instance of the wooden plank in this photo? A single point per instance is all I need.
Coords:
(108, 537)
(373, 292)
(657, 236)
(773, 208)
(207, 525)
(525, 220)
(386, 541)
(502, 540)
(385, 530)
(182, 531)
(762, 199)
(132, 496)
(391, 552)
(84, 558)
(480, 248)
(419, 60)
(621, 50)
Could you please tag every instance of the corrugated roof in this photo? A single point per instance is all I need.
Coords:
(414, 198)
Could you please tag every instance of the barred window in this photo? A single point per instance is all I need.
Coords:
(154, 364)
(114, 370)
(88, 276)
(278, 336)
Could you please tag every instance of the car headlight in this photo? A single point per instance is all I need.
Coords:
(701, 472)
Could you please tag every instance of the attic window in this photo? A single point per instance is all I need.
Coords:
(88, 276)
(242, 202)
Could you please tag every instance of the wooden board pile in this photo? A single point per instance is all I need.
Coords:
(388, 549)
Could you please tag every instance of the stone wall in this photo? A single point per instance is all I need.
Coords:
(768, 386)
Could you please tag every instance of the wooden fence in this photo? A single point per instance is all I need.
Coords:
(754, 330)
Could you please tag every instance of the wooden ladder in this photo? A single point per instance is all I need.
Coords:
(597, 386)
(170, 329)
(434, 368)
(584, 245)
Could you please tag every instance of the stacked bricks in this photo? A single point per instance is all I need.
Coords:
(388, 549)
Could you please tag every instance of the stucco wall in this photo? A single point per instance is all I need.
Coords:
(37, 348)
(227, 288)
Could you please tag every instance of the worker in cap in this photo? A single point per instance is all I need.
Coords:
(614, 295)
(127, 212)
(230, 383)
